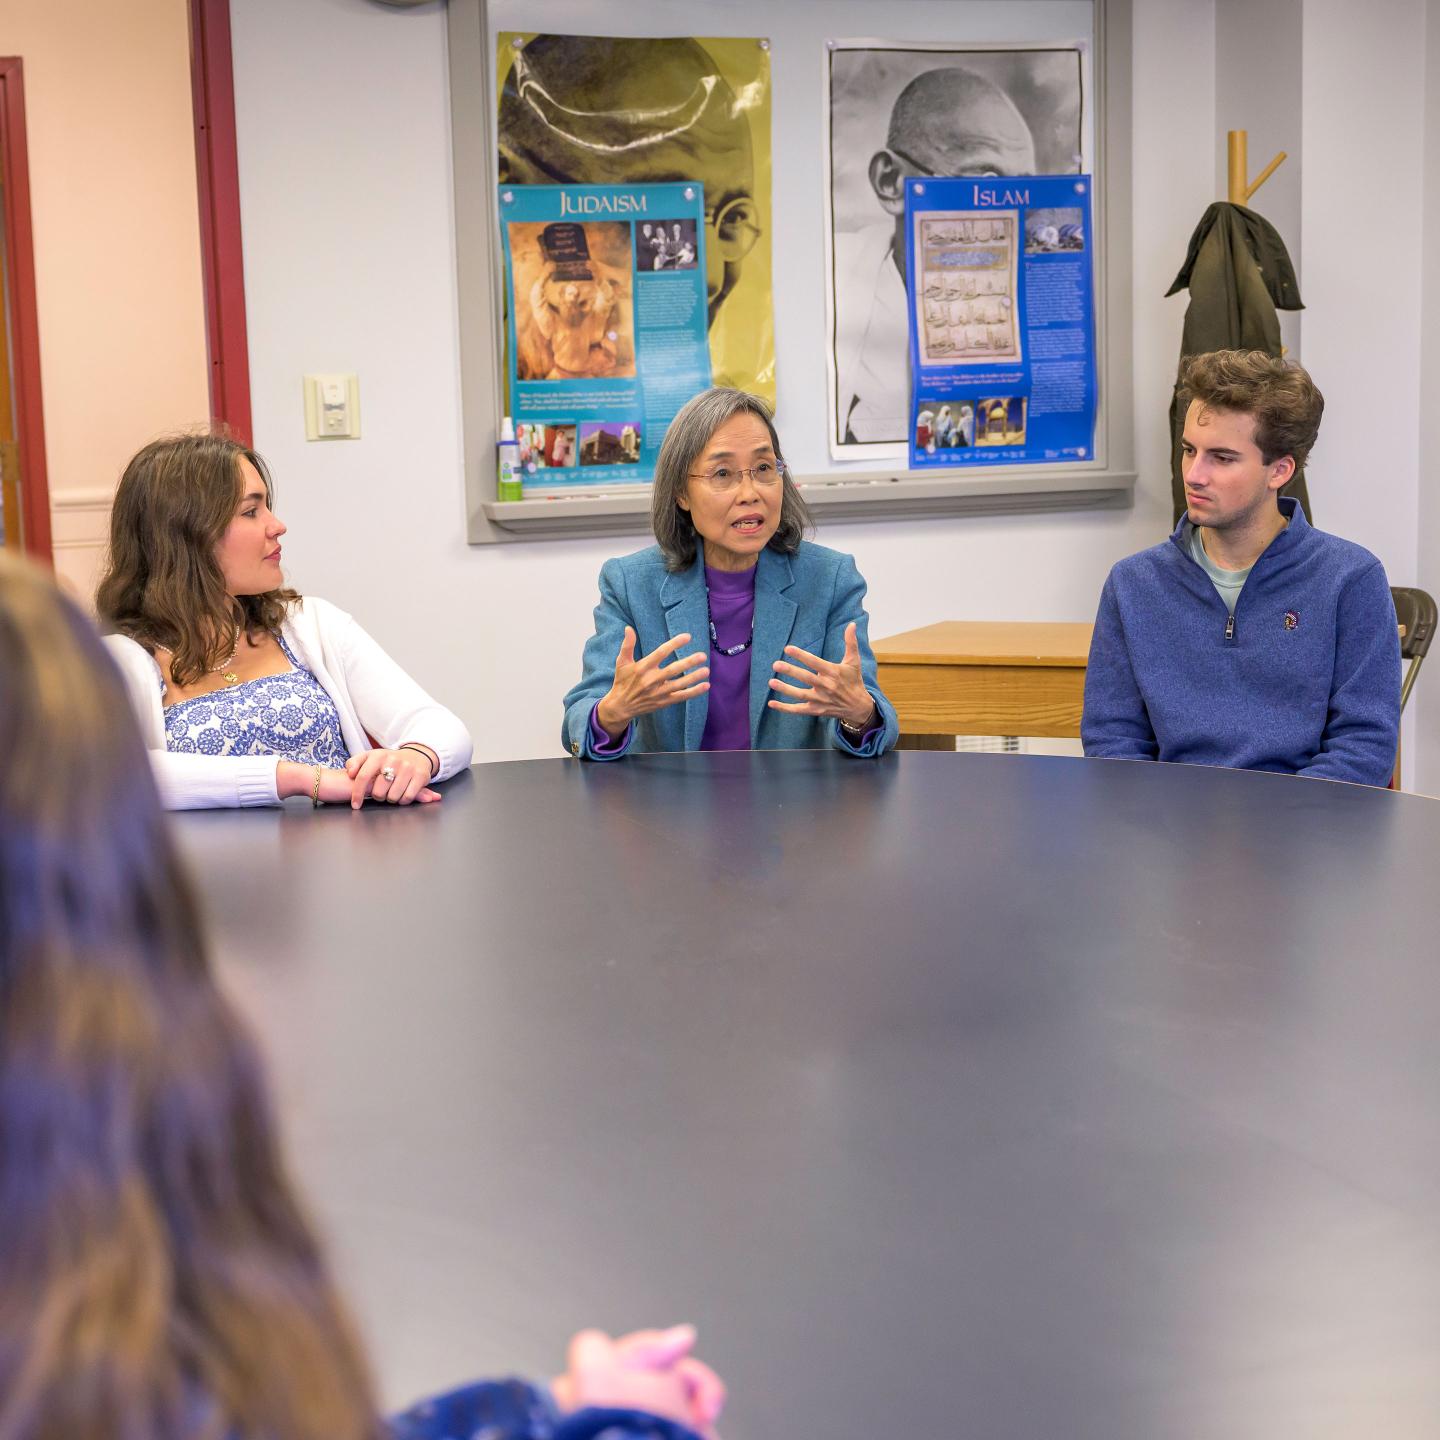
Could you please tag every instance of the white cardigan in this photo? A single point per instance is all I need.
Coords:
(374, 696)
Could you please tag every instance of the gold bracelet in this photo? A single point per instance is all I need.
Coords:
(315, 797)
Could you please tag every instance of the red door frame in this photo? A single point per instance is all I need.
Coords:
(24, 320)
(212, 85)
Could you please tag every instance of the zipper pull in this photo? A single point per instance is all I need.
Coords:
(1230, 628)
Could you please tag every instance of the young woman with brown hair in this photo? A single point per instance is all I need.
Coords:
(158, 1276)
(245, 692)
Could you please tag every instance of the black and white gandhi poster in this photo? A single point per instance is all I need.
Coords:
(900, 109)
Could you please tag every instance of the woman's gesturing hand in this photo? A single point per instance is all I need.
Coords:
(650, 1370)
(646, 685)
(829, 689)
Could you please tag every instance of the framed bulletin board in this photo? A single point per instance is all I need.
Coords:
(813, 210)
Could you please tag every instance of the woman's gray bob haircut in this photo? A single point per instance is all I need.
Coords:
(685, 441)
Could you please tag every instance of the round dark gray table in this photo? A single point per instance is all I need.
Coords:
(949, 1095)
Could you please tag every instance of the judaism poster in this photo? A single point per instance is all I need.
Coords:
(605, 326)
(596, 110)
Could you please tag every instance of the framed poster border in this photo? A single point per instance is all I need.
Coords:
(841, 494)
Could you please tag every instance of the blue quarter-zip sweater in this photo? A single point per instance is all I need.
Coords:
(1303, 679)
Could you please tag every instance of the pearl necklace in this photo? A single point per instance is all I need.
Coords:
(225, 670)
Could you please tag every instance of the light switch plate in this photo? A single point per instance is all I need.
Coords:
(332, 407)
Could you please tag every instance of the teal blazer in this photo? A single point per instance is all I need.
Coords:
(805, 599)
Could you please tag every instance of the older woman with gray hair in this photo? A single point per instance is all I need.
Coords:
(789, 665)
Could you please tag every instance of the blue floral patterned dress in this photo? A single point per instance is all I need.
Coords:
(289, 716)
(515, 1410)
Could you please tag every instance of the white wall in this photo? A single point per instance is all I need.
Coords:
(343, 121)
(1424, 733)
(1362, 319)
(1259, 84)
(1362, 322)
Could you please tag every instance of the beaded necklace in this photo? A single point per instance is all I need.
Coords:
(715, 639)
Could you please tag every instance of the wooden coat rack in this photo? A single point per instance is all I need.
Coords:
(1240, 190)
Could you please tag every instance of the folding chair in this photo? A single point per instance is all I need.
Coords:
(1415, 610)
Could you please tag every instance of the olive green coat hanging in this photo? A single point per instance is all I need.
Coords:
(1239, 274)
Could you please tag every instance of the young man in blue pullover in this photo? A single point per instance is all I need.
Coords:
(1247, 639)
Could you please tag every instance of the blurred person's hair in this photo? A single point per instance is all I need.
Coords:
(158, 1278)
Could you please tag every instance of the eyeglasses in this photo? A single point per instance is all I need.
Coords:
(726, 477)
(914, 164)
(736, 226)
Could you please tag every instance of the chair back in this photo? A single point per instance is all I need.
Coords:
(1415, 610)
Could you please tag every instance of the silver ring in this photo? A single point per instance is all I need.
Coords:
(388, 773)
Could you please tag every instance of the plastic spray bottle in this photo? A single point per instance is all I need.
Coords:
(510, 484)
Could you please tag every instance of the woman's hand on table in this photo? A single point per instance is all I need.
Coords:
(398, 777)
(836, 691)
(292, 778)
(649, 684)
(337, 787)
(651, 1370)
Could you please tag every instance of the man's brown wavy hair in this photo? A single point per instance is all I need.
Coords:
(158, 1275)
(1284, 400)
(162, 584)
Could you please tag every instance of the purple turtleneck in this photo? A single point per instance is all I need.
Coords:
(732, 610)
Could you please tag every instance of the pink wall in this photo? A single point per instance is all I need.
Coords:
(117, 244)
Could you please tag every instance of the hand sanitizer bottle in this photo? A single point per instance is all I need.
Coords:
(510, 485)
